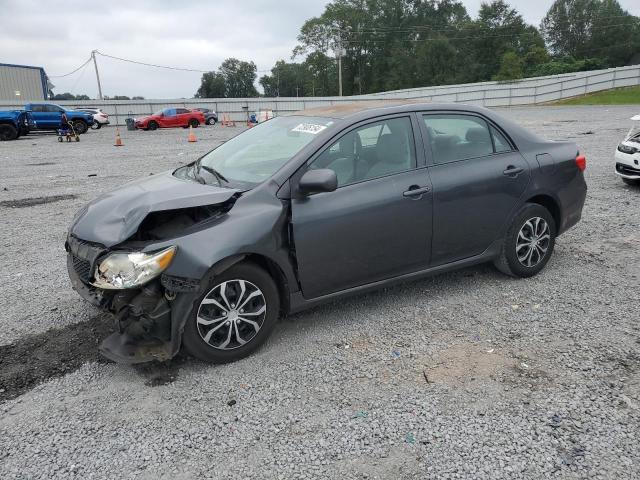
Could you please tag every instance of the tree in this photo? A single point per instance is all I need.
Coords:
(212, 85)
(137, 97)
(120, 97)
(235, 79)
(511, 67)
(239, 78)
(64, 96)
(583, 29)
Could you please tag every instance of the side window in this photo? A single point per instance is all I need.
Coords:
(371, 151)
(53, 109)
(180, 111)
(457, 137)
(169, 112)
(499, 142)
(37, 108)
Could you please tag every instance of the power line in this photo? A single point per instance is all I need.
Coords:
(153, 64)
(72, 72)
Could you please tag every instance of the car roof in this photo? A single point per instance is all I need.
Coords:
(368, 108)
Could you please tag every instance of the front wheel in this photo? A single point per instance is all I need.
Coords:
(194, 123)
(96, 126)
(152, 125)
(234, 316)
(211, 121)
(631, 182)
(8, 132)
(529, 242)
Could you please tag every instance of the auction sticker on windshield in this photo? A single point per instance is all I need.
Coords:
(309, 128)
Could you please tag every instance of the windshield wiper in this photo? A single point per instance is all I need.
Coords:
(219, 177)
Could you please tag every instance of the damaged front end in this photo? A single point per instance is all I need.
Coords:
(148, 318)
(123, 269)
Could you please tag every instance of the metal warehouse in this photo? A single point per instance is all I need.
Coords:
(22, 82)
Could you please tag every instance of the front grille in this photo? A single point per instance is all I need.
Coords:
(626, 169)
(82, 268)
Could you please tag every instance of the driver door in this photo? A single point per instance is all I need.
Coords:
(169, 117)
(377, 223)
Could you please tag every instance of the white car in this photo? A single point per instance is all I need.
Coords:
(628, 155)
(100, 118)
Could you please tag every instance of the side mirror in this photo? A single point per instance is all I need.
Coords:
(318, 181)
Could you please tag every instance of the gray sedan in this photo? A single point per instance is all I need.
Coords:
(308, 208)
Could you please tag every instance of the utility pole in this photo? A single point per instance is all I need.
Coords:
(339, 65)
(95, 64)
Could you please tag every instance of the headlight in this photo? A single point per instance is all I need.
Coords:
(627, 149)
(127, 270)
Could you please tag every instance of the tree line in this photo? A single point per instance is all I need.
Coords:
(396, 44)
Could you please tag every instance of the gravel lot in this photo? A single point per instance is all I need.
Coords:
(464, 375)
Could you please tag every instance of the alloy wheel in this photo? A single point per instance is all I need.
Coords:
(231, 314)
(533, 242)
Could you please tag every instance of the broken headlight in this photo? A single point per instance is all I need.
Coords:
(123, 270)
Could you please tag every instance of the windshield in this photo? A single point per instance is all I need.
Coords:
(256, 154)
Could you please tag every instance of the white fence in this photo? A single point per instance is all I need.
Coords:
(530, 91)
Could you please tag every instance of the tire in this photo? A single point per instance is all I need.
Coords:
(8, 132)
(152, 125)
(211, 121)
(60, 139)
(632, 182)
(80, 126)
(96, 126)
(194, 123)
(532, 235)
(198, 338)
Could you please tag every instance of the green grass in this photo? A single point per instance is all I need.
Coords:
(617, 96)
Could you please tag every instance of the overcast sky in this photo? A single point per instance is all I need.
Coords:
(198, 34)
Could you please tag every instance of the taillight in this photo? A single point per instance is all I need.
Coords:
(581, 162)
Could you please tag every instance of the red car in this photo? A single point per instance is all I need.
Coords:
(171, 118)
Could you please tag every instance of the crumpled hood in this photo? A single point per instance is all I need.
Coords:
(115, 216)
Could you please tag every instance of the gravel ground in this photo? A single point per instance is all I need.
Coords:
(465, 375)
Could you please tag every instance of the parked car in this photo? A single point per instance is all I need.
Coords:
(99, 116)
(170, 118)
(14, 124)
(47, 116)
(627, 155)
(210, 117)
(308, 208)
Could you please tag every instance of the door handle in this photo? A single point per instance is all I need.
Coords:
(512, 171)
(416, 191)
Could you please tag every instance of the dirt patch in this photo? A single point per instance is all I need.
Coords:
(54, 353)
(33, 201)
(463, 364)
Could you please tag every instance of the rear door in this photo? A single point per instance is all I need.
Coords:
(377, 224)
(53, 115)
(478, 178)
(183, 116)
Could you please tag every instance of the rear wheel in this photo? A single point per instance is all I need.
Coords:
(234, 316)
(96, 126)
(631, 181)
(211, 121)
(80, 126)
(194, 123)
(529, 242)
(152, 125)
(8, 132)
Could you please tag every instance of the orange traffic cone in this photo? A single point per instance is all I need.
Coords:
(118, 139)
(192, 136)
